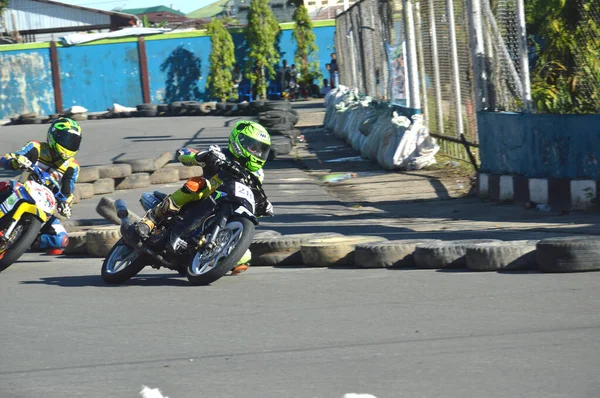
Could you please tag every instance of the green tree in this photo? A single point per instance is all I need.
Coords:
(261, 34)
(222, 59)
(566, 77)
(306, 49)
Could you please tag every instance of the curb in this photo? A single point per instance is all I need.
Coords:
(557, 193)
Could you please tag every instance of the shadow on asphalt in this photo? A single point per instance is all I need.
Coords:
(96, 281)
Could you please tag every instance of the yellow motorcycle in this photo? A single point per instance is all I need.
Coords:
(24, 209)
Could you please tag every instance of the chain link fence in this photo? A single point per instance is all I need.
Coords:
(447, 58)
(361, 34)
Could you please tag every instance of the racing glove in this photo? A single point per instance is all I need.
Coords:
(21, 162)
(215, 156)
(64, 209)
(265, 209)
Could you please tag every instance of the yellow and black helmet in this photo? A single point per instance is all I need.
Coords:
(64, 137)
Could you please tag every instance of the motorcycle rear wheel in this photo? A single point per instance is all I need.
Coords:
(120, 265)
(24, 235)
(239, 232)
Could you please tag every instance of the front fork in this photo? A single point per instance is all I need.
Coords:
(220, 222)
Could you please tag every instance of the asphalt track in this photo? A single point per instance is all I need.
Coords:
(286, 332)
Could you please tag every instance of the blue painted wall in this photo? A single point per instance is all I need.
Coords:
(541, 146)
(97, 76)
(26, 83)
(178, 68)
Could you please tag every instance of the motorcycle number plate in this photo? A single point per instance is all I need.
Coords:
(242, 191)
(43, 197)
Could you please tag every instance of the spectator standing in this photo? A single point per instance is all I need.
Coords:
(236, 76)
(325, 89)
(283, 74)
(333, 71)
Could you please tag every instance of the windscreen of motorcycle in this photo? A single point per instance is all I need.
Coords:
(243, 192)
(44, 198)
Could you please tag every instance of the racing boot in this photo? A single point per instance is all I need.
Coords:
(164, 209)
(242, 265)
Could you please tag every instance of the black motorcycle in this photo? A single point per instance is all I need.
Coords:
(204, 241)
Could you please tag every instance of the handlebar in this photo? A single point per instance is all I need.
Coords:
(236, 171)
(41, 177)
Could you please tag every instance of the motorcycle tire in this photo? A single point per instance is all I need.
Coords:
(126, 273)
(228, 262)
(23, 242)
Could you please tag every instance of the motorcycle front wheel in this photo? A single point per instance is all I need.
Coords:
(20, 241)
(121, 264)
(207, 266)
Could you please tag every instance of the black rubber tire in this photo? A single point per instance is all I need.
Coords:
(176, 105)
(283, 104)
(162, 108)
(445, 254)
(221, 106)
(291, 118)
(392, 254)
(283, 250)
(569, 254)
(228, 262)
(502, 256)
(280, 128)
(23, 243)
(269, 119)
(148, 113)
(125, 274)
(36, 120)
(280, 145)
(146, 107)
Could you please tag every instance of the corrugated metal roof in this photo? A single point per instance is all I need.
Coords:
(45, 14)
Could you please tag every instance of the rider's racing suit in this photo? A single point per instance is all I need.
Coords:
(65, 172)
(199, 188)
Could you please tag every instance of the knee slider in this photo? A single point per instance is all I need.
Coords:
(194, 185)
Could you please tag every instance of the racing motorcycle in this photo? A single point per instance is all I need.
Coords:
(204, 241)
(24, 209)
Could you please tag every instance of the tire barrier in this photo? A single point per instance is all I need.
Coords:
(502, 256)
(569, 254)
(445, 254)
(330, 249)
(99, 241)
(390, 254)
(176, 108)
(333, 251)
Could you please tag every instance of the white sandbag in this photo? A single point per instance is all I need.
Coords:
(371, 144)
(355, 137)
(411, 149)
(75, 109)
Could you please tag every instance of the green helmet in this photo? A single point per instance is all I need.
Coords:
(249, 143)
(64, 137)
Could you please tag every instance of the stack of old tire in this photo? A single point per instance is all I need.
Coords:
(279, 119)
(193, 108)
(561, 254)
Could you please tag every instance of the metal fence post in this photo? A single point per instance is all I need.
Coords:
(411, 53)
(478, 54)
(424, 103)
(436, 68)
(455, 67)
(523, 56)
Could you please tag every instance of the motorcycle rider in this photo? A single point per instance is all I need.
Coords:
(249, 145)
(56, 157)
